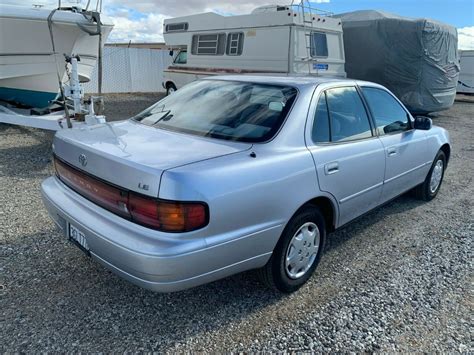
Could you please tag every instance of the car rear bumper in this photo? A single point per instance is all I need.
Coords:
(158, 261)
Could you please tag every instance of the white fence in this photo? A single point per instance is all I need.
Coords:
(130, 70)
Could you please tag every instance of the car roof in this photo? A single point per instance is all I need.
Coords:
(288, 79)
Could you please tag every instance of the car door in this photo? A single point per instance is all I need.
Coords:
(349, 158)
(406, 148)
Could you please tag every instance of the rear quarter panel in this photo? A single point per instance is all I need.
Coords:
(246, 196)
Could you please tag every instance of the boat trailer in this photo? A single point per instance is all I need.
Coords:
(76, 112)
(71, 111)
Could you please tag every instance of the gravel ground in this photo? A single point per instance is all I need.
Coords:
(398, 279)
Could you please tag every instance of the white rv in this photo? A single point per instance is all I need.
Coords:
(272, 39)
(466, 75)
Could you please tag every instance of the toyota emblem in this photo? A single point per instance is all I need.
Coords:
(83, 159)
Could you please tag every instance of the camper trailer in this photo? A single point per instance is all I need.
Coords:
(466, 76)
(272, 39)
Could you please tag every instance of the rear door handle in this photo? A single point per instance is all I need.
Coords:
(331, 168)
(391, 151)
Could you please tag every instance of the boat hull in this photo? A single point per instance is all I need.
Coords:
(29, 98)
(28, 67)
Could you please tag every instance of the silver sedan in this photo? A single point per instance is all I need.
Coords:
(235, 173)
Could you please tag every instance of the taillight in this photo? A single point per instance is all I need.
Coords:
(166, 216)
(105, 195)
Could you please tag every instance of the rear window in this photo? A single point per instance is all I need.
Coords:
(238, 111)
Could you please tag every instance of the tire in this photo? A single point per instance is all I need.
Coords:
(278, 273)
(430, 187)
(170, 88)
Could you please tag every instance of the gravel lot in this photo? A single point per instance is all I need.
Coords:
(398, 279)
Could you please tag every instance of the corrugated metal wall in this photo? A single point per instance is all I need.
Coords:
(131, 70)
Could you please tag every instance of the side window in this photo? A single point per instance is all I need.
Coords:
(177, 27)
(319, 44)
(181, 58)
(235, 43)
(208, 44)
(348, 118)
(320, 132)
(389, 115)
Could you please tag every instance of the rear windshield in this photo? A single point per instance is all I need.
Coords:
(238, 111)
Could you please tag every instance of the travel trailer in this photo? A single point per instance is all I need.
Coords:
(272, 39)
(466, 76)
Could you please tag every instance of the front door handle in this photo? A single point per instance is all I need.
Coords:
(391, 151)
(331, 168)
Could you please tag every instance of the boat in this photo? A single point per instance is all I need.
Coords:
(33, 44)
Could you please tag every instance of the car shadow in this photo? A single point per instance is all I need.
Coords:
(401, 204)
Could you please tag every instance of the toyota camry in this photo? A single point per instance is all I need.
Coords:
(234, 173)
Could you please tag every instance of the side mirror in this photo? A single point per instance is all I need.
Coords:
(171, 53)
(424, 123)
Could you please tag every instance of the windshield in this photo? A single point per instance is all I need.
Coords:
(238, 111)
(181, 58)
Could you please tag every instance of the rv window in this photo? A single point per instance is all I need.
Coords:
(177, 27)
(181, 58)
(235, 43)
(209, 44)
(319, 44)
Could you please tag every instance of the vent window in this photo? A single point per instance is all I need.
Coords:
(177, 27)
(235, 43)
(209, 44)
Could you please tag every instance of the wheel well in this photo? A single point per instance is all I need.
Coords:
(327, 209)
(447, 151)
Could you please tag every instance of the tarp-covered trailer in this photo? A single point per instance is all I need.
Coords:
(466, 76)
(417, 59)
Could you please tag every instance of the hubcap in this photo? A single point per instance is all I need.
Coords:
(302, 250)
(436, 176)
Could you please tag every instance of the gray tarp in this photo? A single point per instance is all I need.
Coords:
(417, 59)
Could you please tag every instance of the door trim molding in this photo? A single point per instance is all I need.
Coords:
(406, 172)
(348, 198)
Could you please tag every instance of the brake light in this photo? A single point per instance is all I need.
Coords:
(105, 195)
(166, 216)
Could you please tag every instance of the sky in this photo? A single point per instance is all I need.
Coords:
(142, 20)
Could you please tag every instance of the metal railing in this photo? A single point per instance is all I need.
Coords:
(98, 5)
(305, 6)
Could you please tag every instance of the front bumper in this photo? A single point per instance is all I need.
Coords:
(154, 260)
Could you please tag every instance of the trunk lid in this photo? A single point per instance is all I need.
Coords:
(134, 156)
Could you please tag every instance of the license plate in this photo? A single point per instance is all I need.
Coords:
(78, 238)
